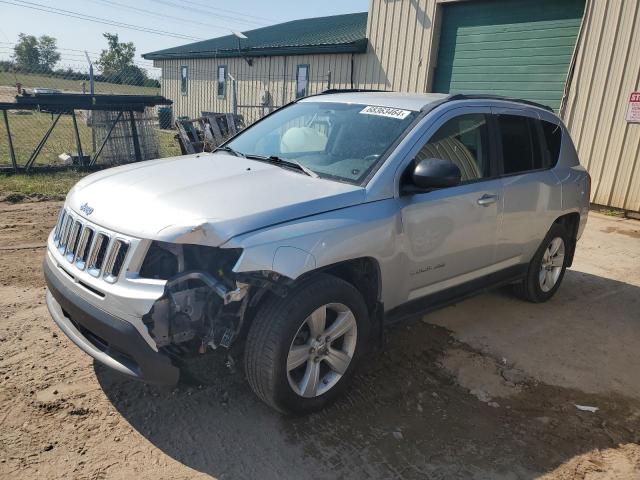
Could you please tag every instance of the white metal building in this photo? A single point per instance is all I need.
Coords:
(581, 57)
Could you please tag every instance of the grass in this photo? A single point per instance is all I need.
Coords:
(29, 80)
(27, 129)
(55, 185)
(47, 185)
(167, 144)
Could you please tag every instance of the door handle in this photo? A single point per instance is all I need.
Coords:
(487, 200)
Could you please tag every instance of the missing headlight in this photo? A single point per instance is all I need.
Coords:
(165, 260)
(202, 301)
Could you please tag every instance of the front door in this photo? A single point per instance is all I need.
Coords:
(451, 233)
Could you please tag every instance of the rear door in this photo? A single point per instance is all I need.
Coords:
(530, 188)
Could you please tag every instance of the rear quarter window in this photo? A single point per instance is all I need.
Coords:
(552, 134)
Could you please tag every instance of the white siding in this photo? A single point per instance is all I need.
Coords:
(273, 74)
(401, 41)
(607, 70)
(402, 53)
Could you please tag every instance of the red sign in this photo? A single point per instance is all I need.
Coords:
(633, 112)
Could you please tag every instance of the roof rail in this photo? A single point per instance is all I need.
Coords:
(349, 90)
(465, 96)
(450, 98)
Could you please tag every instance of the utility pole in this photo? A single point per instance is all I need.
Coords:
(91, 91)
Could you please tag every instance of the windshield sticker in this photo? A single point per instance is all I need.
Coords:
(386, 112)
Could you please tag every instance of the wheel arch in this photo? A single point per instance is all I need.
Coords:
(571, 222)
(363, 273)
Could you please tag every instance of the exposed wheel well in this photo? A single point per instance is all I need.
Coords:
(362, 273)
(570, 221)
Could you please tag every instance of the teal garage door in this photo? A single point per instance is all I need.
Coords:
(515, 48)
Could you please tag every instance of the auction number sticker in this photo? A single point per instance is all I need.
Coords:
(385, 112)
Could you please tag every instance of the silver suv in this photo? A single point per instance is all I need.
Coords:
(307, 232)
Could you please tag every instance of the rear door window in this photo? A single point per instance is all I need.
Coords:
(520, 144)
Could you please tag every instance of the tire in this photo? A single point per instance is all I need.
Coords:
(282, 329)
(533, 288)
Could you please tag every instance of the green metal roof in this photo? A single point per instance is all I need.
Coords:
(335, 34)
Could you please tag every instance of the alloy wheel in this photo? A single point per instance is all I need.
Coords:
(551, 265)
(322, 350)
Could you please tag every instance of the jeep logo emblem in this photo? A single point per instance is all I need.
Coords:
(86, 209)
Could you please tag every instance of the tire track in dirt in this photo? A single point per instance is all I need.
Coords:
(410, 413)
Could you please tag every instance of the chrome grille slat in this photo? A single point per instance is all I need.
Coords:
(114, 262)
(89, 248)
(96, 257)
(84, 245)
(111, 259)
(64, 234)
(56, 232)
(72, 242)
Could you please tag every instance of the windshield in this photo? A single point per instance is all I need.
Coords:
(335, 140)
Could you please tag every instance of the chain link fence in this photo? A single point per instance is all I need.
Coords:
(245, 90)
(28, 127)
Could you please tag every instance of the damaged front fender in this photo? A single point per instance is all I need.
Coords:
(204, 301)
(199, 232)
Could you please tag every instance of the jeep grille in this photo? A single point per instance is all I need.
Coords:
(85, 246)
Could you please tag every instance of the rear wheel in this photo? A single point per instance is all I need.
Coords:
(547, 267)
(301, 350)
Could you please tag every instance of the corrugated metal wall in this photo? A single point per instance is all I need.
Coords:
(401, 39)
(273, 74)
(607, 70)
(402, 56)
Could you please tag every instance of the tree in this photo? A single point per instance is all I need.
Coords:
(26, 53)
(48, 52)
(117, 57)
(36, 53)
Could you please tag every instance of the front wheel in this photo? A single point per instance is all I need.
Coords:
(547, 267)
(301, 350)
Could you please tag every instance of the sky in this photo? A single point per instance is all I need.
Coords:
(169, 22)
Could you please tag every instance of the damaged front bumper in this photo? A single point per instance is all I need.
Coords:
(112, 341)
(160, 314)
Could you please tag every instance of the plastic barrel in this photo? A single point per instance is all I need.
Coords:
(165, 118)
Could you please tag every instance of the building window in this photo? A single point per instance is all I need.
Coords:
(184, 80)
(302, 81)
(221, 86)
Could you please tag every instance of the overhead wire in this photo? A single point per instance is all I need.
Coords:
(91, 18)
(162, 15)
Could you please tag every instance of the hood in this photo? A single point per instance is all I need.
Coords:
(204, 199)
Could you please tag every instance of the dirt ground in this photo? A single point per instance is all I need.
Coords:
(485, 389)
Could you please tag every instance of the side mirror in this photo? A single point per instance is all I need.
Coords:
(435, 173)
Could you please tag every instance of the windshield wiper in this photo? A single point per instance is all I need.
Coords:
(275, 160)
(230, 150)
